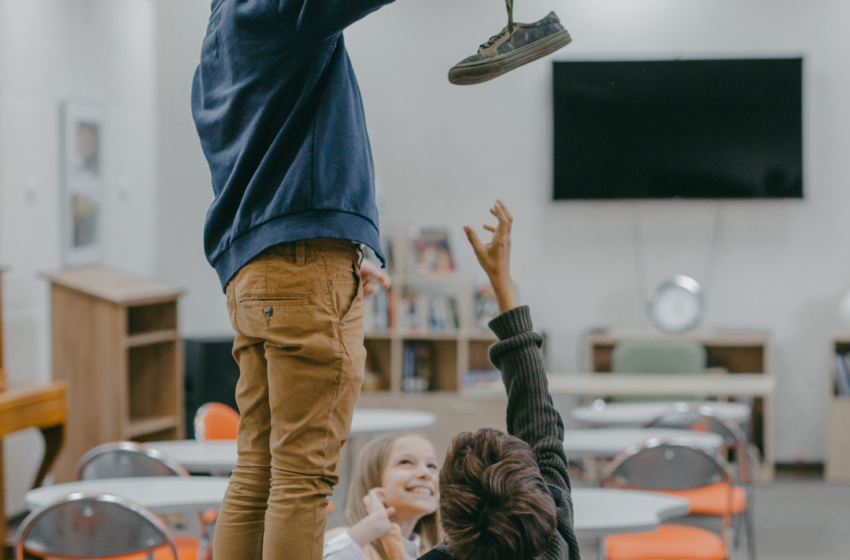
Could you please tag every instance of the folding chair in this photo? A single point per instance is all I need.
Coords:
(127, 459)
(87, 526)
(669, 464)
(710, 501)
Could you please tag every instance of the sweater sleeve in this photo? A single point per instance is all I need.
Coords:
(321, 20)
(532, 417)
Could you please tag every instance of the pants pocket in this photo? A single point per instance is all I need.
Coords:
(344, 284)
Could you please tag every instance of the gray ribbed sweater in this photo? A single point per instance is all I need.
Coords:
(533, 419)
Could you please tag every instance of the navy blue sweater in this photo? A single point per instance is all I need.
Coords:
(281, 123)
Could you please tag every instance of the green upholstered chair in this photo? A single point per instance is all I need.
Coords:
(658, 357)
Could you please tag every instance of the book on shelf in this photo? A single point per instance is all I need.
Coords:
(425, 311)
(486, 306)
(418, 367)
(483, 379)
(429, 251)
(842, 375)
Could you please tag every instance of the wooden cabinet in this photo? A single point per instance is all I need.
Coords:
(115, 343)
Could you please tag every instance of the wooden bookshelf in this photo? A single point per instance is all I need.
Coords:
(116, 345)
(454, 352)
(837, 468)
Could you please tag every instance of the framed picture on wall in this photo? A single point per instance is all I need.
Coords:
(82, 171)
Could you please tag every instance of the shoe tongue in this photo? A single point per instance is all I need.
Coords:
(552, 16)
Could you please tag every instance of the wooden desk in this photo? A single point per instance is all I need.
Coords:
(761, 385)
(38, 406)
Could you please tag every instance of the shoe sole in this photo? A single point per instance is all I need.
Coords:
(485, 70)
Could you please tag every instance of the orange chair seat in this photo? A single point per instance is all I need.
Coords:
(713, 499)
(187, 549)
(219, 421)
(669, 542)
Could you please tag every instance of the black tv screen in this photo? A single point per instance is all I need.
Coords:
(678, 129)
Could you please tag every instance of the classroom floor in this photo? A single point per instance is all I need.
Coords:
(795, 519)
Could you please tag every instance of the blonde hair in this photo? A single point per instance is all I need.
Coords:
(369, 473)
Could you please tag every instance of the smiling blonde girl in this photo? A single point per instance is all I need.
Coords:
(392, 503)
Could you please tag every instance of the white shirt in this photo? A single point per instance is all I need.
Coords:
(342, 547)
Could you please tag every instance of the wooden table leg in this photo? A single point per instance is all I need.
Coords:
(54, 436)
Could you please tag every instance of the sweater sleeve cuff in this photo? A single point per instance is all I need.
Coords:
(511, 323)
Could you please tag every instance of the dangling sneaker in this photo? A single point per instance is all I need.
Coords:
(516, 45)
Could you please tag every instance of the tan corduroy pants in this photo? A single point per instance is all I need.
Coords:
(298, 314)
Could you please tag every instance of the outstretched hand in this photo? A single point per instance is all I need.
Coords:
(495, 256)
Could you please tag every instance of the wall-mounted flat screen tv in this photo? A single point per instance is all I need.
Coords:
(710, 129)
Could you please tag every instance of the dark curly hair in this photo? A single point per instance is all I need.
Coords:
(494, 502)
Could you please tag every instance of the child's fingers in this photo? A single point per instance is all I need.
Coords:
(477, 246)
(507, 212)
(390, 511)
(502, 215)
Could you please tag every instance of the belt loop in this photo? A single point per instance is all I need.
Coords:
(300, 252)
(362, 255)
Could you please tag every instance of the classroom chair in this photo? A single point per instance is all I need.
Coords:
(216, 421)
(712, 500)
(669, 464)
(83, 526)
(127, 459)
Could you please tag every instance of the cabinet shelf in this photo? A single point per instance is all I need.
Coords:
(148, 339)
(139, 428)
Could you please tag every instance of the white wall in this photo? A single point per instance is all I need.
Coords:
(444, 153)
(52, 51)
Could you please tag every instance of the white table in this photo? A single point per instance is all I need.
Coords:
(606, 443)
(160, 494)
(219, 456)
(598, 511)
(640, 413)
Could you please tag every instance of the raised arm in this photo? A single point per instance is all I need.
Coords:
(531, 415)
(321, 20)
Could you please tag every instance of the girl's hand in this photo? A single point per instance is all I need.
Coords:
(495, 257)
(373, 278)
(380, 514)
(377, 523)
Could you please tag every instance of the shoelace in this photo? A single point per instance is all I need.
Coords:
(509, 4)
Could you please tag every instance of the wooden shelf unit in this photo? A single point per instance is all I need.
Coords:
(454, 353)
(732, 352)
(116, 344)
(837, 468)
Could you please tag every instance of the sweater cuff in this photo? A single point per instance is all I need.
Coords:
(511, 323)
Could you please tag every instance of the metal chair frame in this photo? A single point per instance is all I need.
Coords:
(144, 514)
(204, 549)
(741, 446)
(653, 444)
(128, 447)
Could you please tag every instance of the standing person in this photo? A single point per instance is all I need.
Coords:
(280, 119)
(507, 496)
